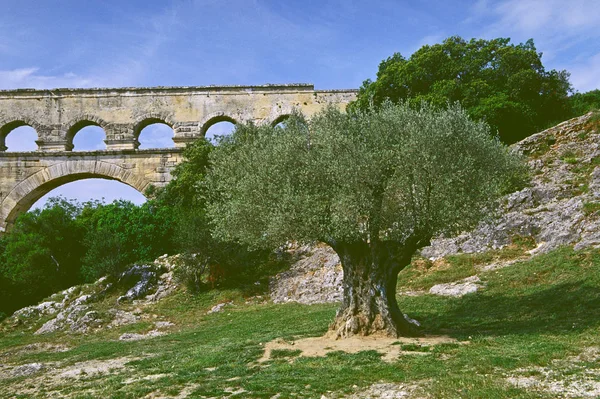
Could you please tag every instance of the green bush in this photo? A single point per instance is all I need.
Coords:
(121, 233)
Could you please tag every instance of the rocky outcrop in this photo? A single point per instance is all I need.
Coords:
(74, 310)
(560, 207)
(315, 277)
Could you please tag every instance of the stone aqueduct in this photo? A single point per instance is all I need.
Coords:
(57, 115)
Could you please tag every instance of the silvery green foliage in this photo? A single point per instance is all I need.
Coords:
(386, 174)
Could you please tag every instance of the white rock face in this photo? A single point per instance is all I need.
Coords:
(552, 210)
(316, 277)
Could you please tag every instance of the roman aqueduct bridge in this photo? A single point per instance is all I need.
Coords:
(57, 115)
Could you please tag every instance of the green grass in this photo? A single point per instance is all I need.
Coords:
(590, 208)
(531, 314)
(422, 274)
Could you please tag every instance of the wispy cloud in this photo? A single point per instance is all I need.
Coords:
(566, 32)
(32, 78)
(543, 17)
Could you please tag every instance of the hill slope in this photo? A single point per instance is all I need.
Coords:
(532, 332)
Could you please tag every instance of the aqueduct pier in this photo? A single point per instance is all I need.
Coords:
(57, 115)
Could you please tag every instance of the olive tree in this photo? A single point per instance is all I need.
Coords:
(376, 186)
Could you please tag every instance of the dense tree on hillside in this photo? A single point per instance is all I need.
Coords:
(582, 103)
(216, 261)
(41, 254)
(504, 84)
(375, 186)
(67, 243)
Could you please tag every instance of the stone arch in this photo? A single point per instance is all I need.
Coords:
(76, 124)
(279, 119)
(28, 191)
(8, 124)
(213, 118)
(148, 119)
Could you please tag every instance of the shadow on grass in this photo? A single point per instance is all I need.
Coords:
(561, 308)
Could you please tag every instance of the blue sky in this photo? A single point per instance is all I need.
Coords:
(333, 44)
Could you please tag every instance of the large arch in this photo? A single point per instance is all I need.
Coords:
(28, 191)
(78, 123)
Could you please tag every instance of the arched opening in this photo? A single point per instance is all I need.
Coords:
(156, 134)
(90, 138)
(217, 127)
(86, 135)
(20, 138)
(218, 130)
(280, 121)
(21, 198)
(93, 189)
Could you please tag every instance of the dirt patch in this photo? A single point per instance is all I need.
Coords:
(390, 348)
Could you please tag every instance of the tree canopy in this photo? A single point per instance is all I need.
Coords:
(504, 84)
(67, 243)
(375, 186)
(582, 103)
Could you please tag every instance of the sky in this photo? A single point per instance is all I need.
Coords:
(334, 44)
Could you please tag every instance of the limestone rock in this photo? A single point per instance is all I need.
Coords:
(139, 337)
(463, 287)
(42, 309)
(26, 370)
(219, 307)
(552, 210)
(143, 276)
(316, 277)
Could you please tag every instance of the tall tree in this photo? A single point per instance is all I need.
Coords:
(502, 83)
(375, 186)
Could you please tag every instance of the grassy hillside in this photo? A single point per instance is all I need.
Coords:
(533, 329)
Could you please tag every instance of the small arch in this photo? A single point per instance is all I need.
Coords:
(21, 139)
(280, 120)
(88, 138)
(9, 125)
(213, 119)
(156, 135)
(151, 118)
(27, 192)
(218, 130)
(82, 122)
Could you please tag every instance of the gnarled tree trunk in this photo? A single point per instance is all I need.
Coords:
(370, 274)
